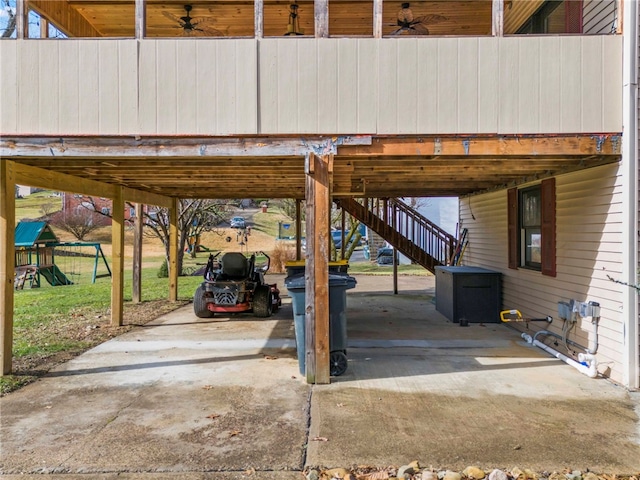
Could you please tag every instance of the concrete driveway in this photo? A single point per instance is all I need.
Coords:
(222, 398)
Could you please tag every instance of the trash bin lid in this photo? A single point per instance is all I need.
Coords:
(298, 281)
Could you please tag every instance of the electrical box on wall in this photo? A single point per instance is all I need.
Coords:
(570, 310)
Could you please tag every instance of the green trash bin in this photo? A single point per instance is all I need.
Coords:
(338, 286)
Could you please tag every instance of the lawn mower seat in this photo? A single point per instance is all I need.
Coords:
(234, 265)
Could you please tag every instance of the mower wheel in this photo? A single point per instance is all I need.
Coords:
(263, 301)
(200, 305)
(337, 363)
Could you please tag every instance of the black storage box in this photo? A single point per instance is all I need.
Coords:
(470, 293)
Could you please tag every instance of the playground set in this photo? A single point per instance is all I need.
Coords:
(37, 249)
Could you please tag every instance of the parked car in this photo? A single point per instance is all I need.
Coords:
(337, 237)
(238, 222)
(385, 256)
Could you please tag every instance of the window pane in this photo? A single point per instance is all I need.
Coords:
(531, 208)
(533, 240)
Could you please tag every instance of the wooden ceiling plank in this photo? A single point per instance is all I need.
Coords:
(66, 18)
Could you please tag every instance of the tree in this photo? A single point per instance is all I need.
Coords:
(79, 222)
(9, 25)
(194, 217)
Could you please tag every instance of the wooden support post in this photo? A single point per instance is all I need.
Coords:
(136, 293)
(318, 198)
(497, 24)
(321, 10)
(117, 259)
(44, 28)
(22, 16)
(141, 18)
(258, 11)
(7, 261)
(343, 223)
(395, 271)
(173, 251)
(377, 18)
(298, 229)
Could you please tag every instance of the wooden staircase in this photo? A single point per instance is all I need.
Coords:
(404, 228)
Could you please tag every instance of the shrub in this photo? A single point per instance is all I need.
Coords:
(163, 271)
(281, 254)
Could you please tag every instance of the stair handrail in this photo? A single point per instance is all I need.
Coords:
(406, 229)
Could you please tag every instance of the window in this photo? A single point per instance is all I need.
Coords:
(555, 17)
(532, 227)
(530, 216)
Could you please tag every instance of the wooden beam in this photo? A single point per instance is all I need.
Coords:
(48, 179)
(44, 28)
(173, 251)
(148, 198)
(497, 25)
(141, 18)
(298, 229)
(377, 18)
(136, 285)
(117, 259)
(513, 145)
(172, 147)
(61, 182)
(258, 8)
(7, 261)
(65, 18)
(22, 17)
(317, 269)
(321, 14)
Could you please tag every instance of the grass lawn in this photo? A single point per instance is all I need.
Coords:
(37, 204)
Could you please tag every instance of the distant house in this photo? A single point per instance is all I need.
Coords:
(73, 202)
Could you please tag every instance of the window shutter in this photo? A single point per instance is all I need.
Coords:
(548, 227)
(573, 16)
(512, 221)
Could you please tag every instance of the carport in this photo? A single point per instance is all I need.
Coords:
(132, 108)
(158, 170)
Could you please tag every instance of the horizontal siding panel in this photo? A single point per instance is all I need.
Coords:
(588, 253)
(598, 16)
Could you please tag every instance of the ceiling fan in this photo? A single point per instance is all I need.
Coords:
(410, 25)
(193, 27)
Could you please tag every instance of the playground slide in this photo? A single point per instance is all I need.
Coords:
(54, 276)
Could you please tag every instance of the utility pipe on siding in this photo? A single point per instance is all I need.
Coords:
(629, 314)
(590, 369)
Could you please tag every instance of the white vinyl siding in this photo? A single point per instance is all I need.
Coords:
(588, 246)
(599, 16)
(467, 85)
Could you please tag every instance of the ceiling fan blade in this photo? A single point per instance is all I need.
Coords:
(173, 17)
(398, 31)
(419, 29)
(430, 19)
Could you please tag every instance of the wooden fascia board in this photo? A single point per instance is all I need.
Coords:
(496, 145)
(48, 179)
(64, 17)
(185, 147)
